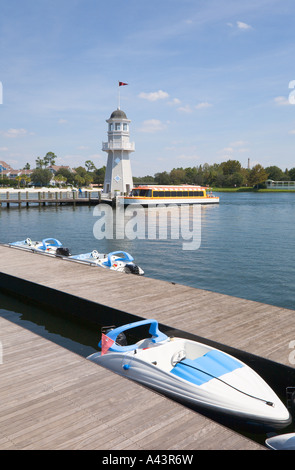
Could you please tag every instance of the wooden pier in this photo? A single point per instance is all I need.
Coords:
(43, 198)
(62, 401)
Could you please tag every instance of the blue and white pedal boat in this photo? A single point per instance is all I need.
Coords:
(116, 261)
(47, 245)
(193, 373)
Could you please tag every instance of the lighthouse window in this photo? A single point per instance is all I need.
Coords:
(111, 127)
(125, 127)
(117, 126)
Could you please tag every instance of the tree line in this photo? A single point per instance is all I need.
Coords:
(42, 176)
(229, 174)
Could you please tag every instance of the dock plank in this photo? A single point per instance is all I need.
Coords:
(68, 403)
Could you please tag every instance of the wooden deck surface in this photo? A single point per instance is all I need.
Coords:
(52, 398)
(251, 326)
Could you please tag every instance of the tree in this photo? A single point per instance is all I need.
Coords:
(162, 178)
(257, 175)
(230, 167)
(27, 166)
(90, 165)
(177, 176)
(39, 162)
(292, 174)
(98, 175)
(60, 179)
(41, 177)
(274, 173)
(49, 159)
(67, 174)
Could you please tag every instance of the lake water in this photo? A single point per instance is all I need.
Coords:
(246, 246)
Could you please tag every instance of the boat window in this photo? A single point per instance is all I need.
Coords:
(135, 192)
(179, 193)
(161, 193)
(185, 193)
(145, 192)
(155, 193)
(191, 193)
(173, 193)
(167, 193)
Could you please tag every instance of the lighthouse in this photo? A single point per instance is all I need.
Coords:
(118, 177)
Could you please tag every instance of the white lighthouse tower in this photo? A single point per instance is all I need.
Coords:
(118, 177)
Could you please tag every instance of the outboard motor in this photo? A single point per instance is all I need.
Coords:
(121, 338)
(133, 269)
(61, 251)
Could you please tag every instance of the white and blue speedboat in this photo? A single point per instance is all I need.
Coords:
(116, 261)
(47, 245)
(193, 373)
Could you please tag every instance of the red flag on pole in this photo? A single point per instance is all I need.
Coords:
(122, 83)
(106, 343)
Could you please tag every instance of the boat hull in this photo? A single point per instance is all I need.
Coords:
(220, 395)
(177, 201)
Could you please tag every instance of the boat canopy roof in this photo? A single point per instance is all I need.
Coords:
(183, 187)
(157, 335)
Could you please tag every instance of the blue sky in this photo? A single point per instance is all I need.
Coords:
(208, 80)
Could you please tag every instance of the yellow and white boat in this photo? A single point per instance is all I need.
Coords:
(147, 195)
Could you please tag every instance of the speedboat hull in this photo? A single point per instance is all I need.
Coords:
(47, 245)
(115, 261)
(200, 376)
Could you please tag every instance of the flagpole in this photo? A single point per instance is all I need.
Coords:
(119, 96)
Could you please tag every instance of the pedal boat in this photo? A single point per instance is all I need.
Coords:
(194, 374)
(116, 261)
(281, 442)
(47, 245)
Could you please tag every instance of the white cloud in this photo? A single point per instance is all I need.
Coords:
(3, 149)
(14, 133)
(185, 109)
(281, 101)
(154, 96)
(243, 26)
(62, 121)
(152, 125)
(175, 101)
(203, 105)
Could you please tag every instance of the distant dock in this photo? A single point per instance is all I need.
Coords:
(49, 197)
(90, 405)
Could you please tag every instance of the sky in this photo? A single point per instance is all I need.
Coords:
(208, 81)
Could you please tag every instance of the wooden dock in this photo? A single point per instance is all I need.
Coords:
(63, 390)
(43, 198)
(53, 399)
